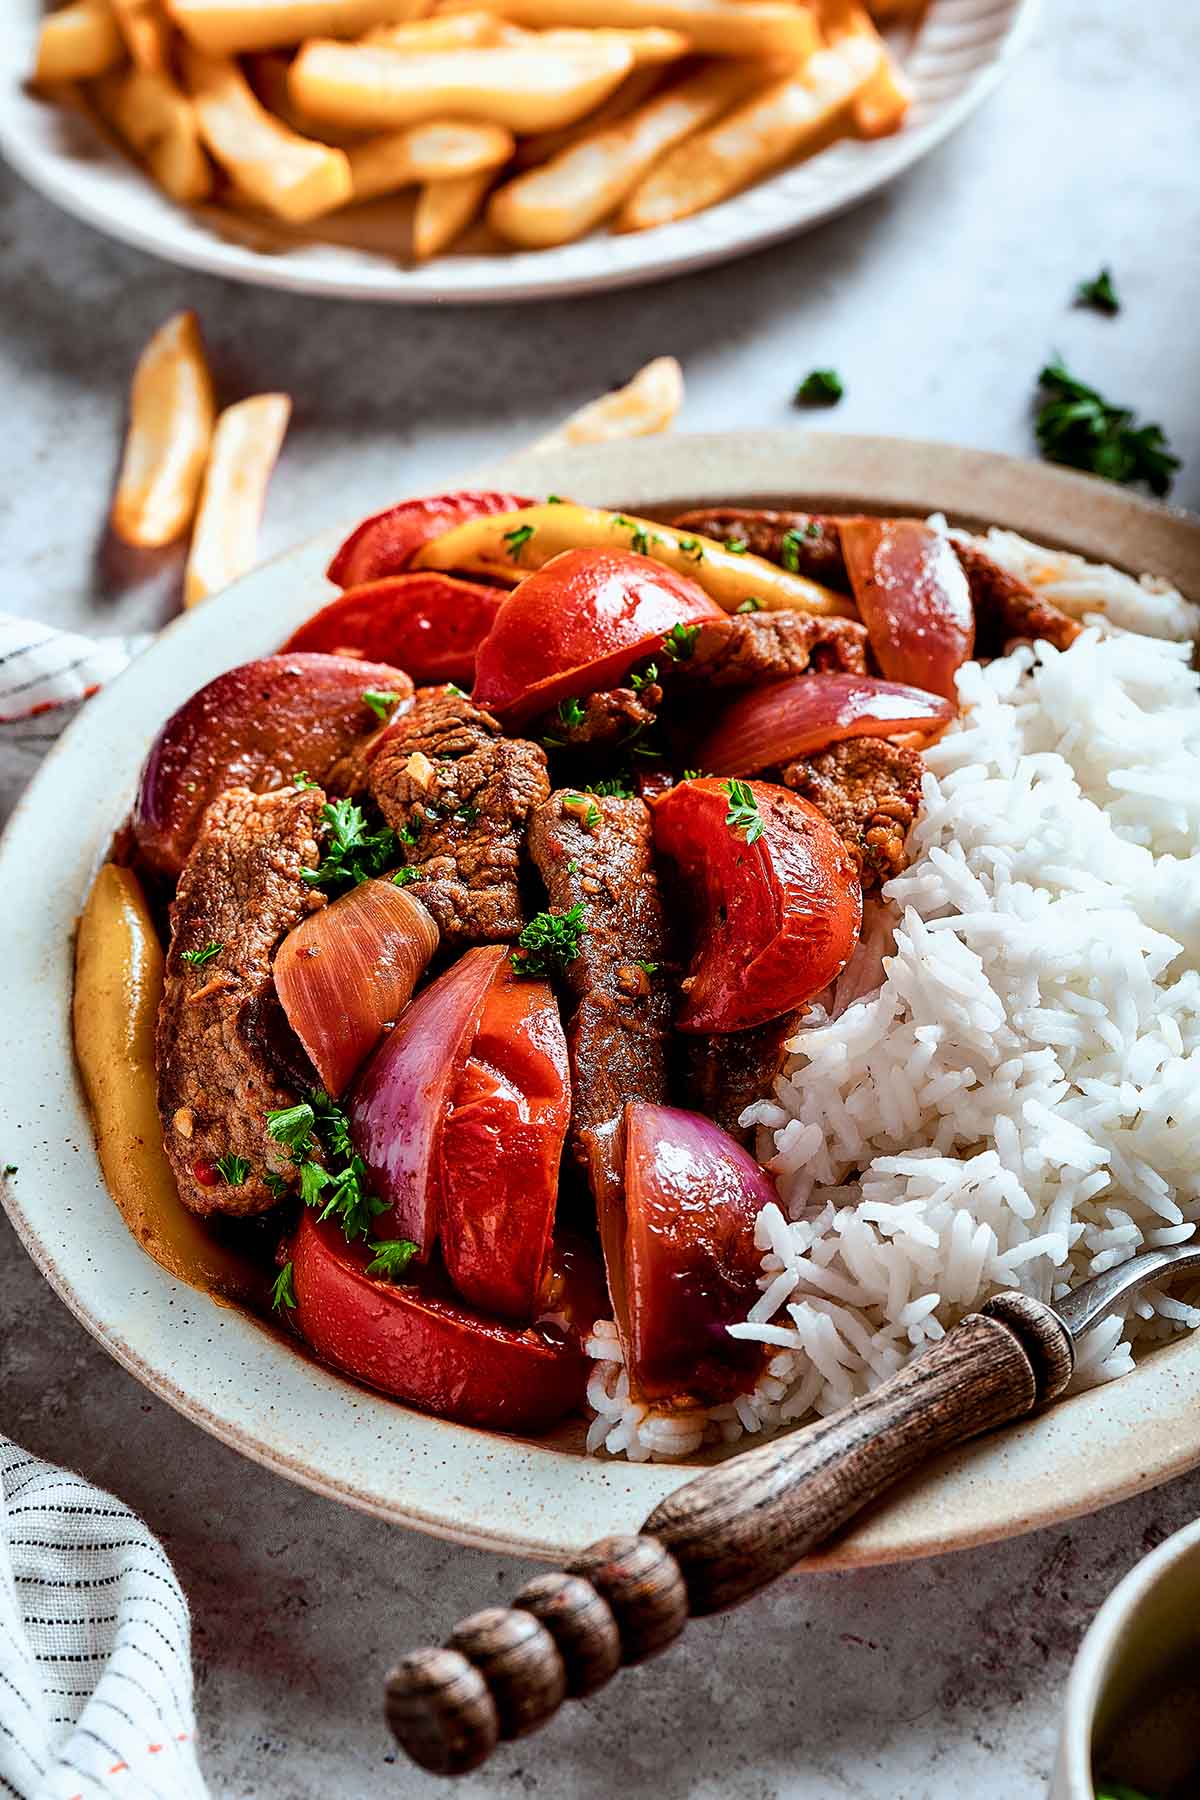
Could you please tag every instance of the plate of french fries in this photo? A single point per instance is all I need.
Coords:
(480, 149)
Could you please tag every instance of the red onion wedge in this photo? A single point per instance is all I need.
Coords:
(427, 624)
(347, 972)
(769, 726)
(913, 597)
(386, 543)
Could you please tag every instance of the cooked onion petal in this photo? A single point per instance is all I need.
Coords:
(770, 726)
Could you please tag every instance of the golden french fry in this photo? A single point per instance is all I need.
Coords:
(171, 414)
(291, 176)
(646, 405)
(527, 88)
(564, 198)
(437, 150)
(479, 548)
(712, 27)
(159, 124)
(648, 45)
(78, 42)
(448, 31)
(245, 449)
(147, 33)
(881, 103)
(540, 146)
(767, 129)
(268, 74)
(444, 210)
(228, 27)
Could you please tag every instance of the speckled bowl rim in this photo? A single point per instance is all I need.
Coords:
(237, 1381)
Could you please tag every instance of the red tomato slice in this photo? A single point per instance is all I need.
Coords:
(422, 1345)
(428, 624)
(501, 1146)
(778, 918)
(386, 543)
(914, 600)
(576, 625)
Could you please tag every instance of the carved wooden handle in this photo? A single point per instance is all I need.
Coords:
(716, 1540)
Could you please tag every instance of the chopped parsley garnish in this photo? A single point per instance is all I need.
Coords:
(751, 605)
(302, 780)
(583, 809)
(381, 703)
(572, 866)
(403, 876)
(743, 816)
(616, 787)
(408, 834)
(292, 1126)
(10, 1169)
(351, 852)
(738, 546)
(640, 543)
(790, 542)
(554, 499)
(570, 712)
(283, 1293)
(692, 775)
(338, 1185)
(391, 1257)
(623, 523)
(1099, 294)
(452, 687)
(640, 678)
(232, 1169)
(692, 548)
(516, 540)
(198, 958)
(549, 942)
(276, 1184)
(1075, 425)
(820, 387)
(468, 814)
(647, 968)
(680, 642)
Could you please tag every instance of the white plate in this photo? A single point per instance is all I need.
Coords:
(245, 1386)
(960, 53)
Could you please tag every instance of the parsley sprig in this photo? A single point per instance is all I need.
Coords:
(571, 713)
(680, 642)
(1099, 294)
(820, 387)
(232, 1169)
(640, 678)
(790, 542)
(743, 816)
(351, 853)
(198, 958)
(382, 703)
(283, 1293)
(391, 1257)
(549, 942)
(336, 1185)
(1075, 425)
(516, 540)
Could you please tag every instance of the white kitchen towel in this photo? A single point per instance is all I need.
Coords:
(95, 1650)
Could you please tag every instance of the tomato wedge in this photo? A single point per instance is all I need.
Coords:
(419, 1343)
(430, 625)
(578, 624)
(778, 917)
(385, 543)
(501, 1146)
(914, 599)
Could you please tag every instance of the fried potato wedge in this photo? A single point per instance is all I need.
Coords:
(644, 406)
(445, 31)
(171, 414)
(540, 146)
(436, 150)
(444, 210)
(290, 176)
(158, 122)
(772, 126)
(649, 45)
(245, 449)
(530, 87)
(77, 42)
(147, 33)
(228, 27)
(479, 548)
(564, 198)
(712, 27)
(881, 103)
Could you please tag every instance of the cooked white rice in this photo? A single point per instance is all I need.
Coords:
(1010, 1096)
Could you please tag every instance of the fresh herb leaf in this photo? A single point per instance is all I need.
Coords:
(622, 523)
(391, 1257)
(680, 642)
(572, 866)
(692, 775)
(302, 780)
(583, 809)
(314, 1179)
(616, 787)
(743, 816)
(276, 1184)
(549, 942)
(647, 968)
(640, 543)
(554, 500)
(198, 958)
(692, 548)
(820, 387)
(452, 687)
(351, 853)
(1099, 294)
(382, 703)
(789, 546)
(283, 1293)
(571, 712)
(639, 679)
(1075, 425)
(403, 876)
(739, 546)
(751, 605)
(409, 834)
(9, 1169)
(232, 1169)
(516, 540)
(468, 814)
(292, 1126)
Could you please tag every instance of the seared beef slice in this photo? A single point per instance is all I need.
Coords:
(870, 791)
(219, 1070)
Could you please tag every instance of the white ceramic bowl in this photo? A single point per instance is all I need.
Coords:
(240, 1382)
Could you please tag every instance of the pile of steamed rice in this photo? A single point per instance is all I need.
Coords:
(1003, 1089)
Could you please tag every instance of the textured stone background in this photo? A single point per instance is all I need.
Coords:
(937, 301)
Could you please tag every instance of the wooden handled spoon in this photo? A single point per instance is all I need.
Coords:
(731, 1531)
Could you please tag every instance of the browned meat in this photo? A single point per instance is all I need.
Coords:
(806, 543)
(602, 721)
(722, 1074)
(617, 1035)
(748, 648)
(870, 791)
(224, 1052)
(1007, 607)
(459, 793)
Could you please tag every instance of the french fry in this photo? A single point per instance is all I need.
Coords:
(540, 146)
(528, 88)
(268, 74)
(773, 125)
(881, 103)
(290, 176)
(229, 27)
(437, 150)
(565, 197)
(449, 31)
(171, 415)
(245, 449)
(444, 210)
(159, 124)
(147, 33)
(712, 27)
(649, 45)
(646, 405)
(77, 43)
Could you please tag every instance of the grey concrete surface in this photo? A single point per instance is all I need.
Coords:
(938, 301)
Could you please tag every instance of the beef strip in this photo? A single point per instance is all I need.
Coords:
(1007, 607)
(224, 1053)
(618, 1032)
(723, 1073)
(614, 717)
(748, 648)
(459, 793)
(814, 548)
(870, 791)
